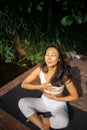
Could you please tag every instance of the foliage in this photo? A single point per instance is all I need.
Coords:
(6, 51)
(28, 26)
(76, 13)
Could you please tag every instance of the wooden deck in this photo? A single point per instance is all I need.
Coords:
(7, 122)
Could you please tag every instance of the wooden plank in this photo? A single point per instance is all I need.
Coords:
(7, 122)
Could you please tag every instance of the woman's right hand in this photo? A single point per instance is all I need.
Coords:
(46, 86)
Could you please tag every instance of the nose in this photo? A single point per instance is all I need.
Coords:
(49, 57)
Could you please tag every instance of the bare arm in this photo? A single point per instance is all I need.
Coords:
(73, 94)
(27, 83)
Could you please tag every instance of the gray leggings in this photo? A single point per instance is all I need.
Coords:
(58, 109)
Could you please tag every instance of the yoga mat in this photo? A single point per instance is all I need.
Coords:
(9, 103)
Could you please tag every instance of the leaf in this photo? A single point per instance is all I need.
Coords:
(78, 19)
(67, 21)
(39, 8)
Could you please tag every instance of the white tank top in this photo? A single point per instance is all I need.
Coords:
(55, 89)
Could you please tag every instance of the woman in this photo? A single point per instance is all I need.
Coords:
(54, 75)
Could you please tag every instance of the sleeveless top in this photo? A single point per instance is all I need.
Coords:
(55, 89)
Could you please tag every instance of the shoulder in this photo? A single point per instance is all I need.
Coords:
(65, 77)
(37, 70)
(68, 81)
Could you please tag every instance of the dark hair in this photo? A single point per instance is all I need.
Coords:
(63, 70)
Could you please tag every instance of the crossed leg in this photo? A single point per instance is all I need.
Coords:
(40, 121)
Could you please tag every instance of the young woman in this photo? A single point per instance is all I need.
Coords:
(54, 75)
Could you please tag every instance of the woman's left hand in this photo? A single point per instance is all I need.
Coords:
(51, 96)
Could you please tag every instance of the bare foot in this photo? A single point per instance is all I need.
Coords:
(27, 120)
(44, 127)
(45, 121)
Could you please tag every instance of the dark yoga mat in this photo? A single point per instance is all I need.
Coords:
(9, 103)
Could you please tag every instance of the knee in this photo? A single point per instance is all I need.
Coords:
(21, 102)
(65, 123)
(60, 123)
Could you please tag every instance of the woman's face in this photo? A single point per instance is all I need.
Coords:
(51, 57)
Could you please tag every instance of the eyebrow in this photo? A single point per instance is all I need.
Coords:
(52, 52)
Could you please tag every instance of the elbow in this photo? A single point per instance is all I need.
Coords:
(76, 97)
(23, 85)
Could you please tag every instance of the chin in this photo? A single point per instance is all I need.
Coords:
(50, 66)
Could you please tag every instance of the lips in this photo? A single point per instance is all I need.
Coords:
(49, 62)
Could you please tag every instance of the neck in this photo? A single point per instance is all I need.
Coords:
(52, 69)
